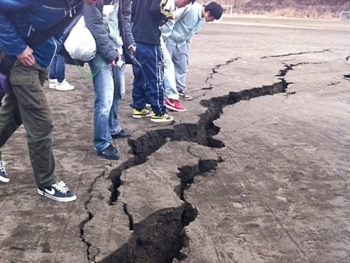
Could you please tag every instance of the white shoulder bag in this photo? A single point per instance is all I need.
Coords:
(80, 43)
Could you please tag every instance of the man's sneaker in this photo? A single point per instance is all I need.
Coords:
(64, 86)
(4, 177)
(174, 105)
(58, 192)
(165, 118)
(138, 114)
(52, 83)
(184, 95)
(110, 153)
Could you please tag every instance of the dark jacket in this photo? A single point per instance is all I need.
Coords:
(22, 18)
(94, 22)
(147, 16)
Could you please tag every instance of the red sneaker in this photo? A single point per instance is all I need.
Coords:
(174, 105)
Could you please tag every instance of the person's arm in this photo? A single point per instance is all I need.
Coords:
(128, 39)
(94, 22)
(10, 40)
(158, 11)
(168, 27)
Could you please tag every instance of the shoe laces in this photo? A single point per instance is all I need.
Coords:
(61, 186)
(177, 103)
(2, 167)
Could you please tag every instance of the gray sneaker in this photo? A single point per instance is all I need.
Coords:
(4, 177)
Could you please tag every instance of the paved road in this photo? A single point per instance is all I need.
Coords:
(257, 169)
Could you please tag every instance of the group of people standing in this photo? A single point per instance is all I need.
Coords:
(161, 31)
(157, 33)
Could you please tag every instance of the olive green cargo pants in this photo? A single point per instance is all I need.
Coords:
(28, 104)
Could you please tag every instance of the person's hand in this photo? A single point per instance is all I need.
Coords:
(132, 49)
(26, 57)
(90, 2)
(114, 62)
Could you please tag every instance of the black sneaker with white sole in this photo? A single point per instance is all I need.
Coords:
(58, 192)
(110, 153)
(4, 177)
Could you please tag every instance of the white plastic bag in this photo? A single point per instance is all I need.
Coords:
(80, 43)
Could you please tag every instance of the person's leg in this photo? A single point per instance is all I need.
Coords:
(119, 89)
(4, 177)
(181, 58)
(152, 70)
(169, 74)
(138, 91)
(26, 83)
(60, 69)
(62, 84)
(104, 88)
(9, 122)
(53, 68)
(172, 101)
(53, 73)
(10, 118)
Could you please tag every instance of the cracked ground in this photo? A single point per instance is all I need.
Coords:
(257, 169)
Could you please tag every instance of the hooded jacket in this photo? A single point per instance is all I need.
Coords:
(22, 18)
(94, 22)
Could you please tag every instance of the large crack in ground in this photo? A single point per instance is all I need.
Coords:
(89, 247)
(288, 67)
(297, 53)
(160, 237)
(215, 70)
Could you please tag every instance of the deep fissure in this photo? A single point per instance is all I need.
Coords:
(297, 53)
(288, 67)
(172, 221)
(146, 248)
(215, 70)
(91, 256)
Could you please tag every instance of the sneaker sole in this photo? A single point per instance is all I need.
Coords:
(107, 157)
(186, 98)
(65, 199)
(174, 109)
(4, 180)
(64, 89)
(162, 121)
(141, 116)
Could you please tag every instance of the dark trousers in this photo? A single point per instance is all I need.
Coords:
(148, 80)
(28, 104)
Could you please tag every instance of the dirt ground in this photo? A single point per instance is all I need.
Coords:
(256, 170)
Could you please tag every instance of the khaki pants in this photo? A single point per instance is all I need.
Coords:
(28, 104)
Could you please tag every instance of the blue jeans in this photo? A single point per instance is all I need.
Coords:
(109, 87)
(57, 69)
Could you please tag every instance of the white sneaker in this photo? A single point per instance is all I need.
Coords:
(52, 83)
(64, 86)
